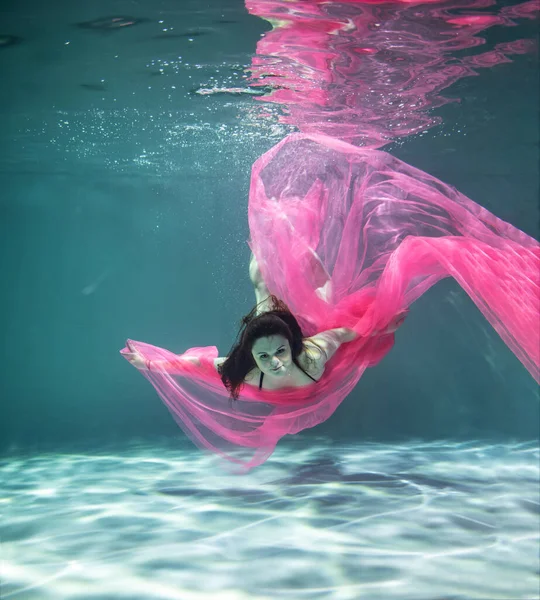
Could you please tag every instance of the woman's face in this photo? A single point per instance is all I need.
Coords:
(273, 355)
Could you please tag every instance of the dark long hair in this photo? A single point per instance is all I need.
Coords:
(240, 361)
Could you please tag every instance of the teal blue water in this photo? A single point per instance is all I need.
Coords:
(123, 214)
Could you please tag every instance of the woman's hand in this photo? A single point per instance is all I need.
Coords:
(134, 357)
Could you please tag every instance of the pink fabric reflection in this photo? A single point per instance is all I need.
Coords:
(385, 232)
(368, 71)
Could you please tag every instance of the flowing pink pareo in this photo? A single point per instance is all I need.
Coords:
(384, 232)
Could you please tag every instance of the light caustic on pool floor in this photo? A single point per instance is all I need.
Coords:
(415, 521)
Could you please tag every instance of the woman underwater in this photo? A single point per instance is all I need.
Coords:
(345, 240)
(271, 346)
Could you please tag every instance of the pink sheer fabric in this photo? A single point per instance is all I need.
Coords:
(384, 232)
(365, 71)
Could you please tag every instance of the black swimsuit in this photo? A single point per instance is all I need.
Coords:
(262, 375)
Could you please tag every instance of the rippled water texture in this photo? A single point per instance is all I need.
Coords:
(418, 522)
(369, 72)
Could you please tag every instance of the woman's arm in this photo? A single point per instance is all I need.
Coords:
(329, 341)
(169, 366)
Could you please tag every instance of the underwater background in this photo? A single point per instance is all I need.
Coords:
(128, 134)
(124, 214)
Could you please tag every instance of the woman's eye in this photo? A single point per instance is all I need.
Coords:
(281, 351)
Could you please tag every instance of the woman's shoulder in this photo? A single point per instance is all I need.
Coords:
(253, 376)
(313, 357)
(313, 349)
